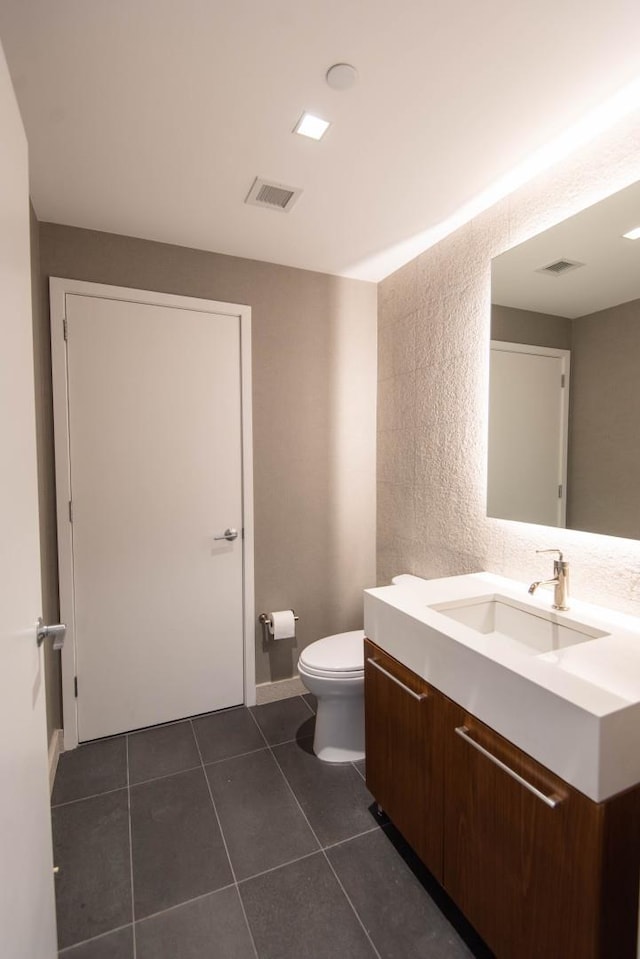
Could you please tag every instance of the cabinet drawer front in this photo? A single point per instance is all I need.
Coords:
(371, 661)
(404, 752)
(523, 849)
(549, 798)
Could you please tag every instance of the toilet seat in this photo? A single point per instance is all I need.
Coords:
(335, 674)
(335, 657)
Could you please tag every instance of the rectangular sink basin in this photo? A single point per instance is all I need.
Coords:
(509, 622)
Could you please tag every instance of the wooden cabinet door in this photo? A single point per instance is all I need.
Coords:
(537, 868)
(404, 752)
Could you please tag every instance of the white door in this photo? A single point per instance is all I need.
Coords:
(27, 914)
(155, 473)
(528, 433)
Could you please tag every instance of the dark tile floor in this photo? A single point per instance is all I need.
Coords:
(224, 836)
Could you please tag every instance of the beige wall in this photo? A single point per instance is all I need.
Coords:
(314, 361)
(434, 326)
(524, 326)
(604, 440)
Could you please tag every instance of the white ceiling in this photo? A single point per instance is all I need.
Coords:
(152, 117)
(610, 273)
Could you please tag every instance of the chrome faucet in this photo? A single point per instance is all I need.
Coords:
(560, 581)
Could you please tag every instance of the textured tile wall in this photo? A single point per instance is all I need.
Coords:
(433, 365)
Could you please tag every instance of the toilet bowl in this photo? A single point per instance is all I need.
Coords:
(333, 670)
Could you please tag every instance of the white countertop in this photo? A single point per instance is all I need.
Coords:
(576, 710)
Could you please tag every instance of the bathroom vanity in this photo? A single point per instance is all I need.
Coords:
(503, 741)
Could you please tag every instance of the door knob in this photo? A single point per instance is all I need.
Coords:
(55, 632)
(229, 534)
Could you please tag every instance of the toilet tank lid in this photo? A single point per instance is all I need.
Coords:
(343, 651)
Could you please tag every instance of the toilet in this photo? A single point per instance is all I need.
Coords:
(333, 670)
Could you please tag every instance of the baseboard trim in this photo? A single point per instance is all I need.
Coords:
(282, 689)
(56, 748)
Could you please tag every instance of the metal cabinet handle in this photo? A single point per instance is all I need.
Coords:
(418, 696)
(55, 632)
(551, 801)
(229, 534)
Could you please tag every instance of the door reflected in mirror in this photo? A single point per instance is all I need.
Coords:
(528, 433)
(568, 301)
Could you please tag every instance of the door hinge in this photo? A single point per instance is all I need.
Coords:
(70, 511)
(562, 381)
(75, 686)
(560, 491)
(65, 329)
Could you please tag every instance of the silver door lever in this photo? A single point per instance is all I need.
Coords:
(229, 534)
(55, 632)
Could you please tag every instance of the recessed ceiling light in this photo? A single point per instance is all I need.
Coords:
(311, 126)
(632, 234)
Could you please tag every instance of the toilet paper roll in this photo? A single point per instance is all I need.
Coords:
(282, 624)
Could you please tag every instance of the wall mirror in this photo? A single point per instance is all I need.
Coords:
(564, 410)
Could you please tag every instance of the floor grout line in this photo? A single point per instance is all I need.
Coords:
(185, 902)
(358, 835)
(102, 935)
(322, 849)
(176, 772)
(289, 787)
(215, 812)
(170, 722)
(241, 882)
(355, 911)
(282, 865)
(107, 792)
(133, 903)
(361, 774)
(308, 705)
(224, 840)
(226, 759)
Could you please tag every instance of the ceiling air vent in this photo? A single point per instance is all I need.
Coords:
(275, 196)
(559, 267)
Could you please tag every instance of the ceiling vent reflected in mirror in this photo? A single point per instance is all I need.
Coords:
(560, 267)
(274, 196)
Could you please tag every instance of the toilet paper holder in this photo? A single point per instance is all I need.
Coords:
(264, 620)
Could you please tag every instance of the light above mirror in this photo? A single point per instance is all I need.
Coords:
(567, 451)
